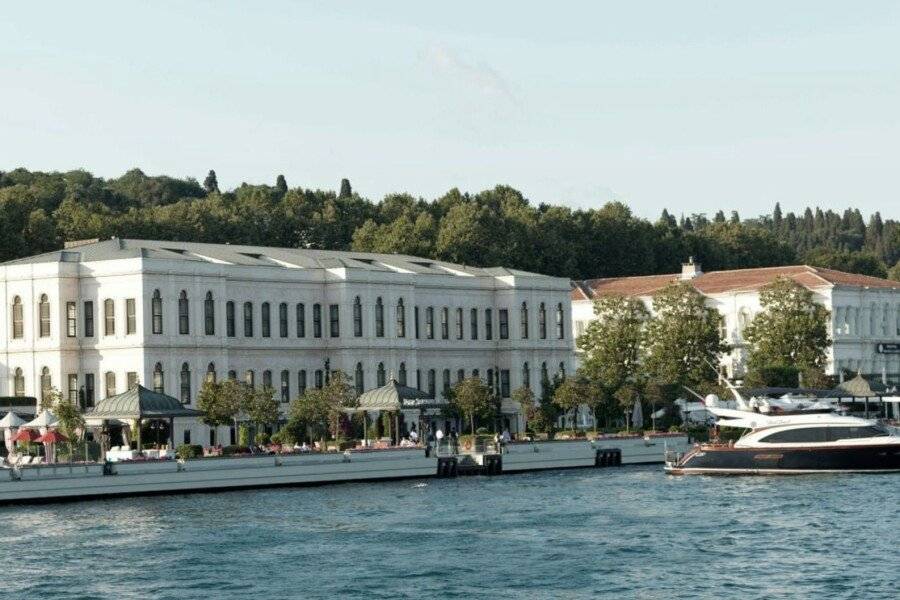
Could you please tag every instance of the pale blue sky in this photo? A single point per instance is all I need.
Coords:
(693, 106)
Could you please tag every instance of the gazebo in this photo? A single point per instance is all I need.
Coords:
(858, 387)
(140, 404)
(395, 397)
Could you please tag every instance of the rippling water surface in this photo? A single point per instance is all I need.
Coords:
(627, 532)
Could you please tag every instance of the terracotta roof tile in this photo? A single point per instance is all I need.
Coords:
(720, 282)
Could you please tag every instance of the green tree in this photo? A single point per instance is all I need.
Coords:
(611, 347)
(221, 402)
(791, 332)
(471, 397)
(261, 407)
(569, 395)
(894, 273)
(211, 183)
(346, 190)
(281, 185)
(321, 409)
(682, 339)
(524, 397)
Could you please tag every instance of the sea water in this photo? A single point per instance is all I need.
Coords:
(629, 532)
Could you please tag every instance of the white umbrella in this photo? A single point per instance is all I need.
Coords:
(45, 419)
(8, 423)
(637, 415)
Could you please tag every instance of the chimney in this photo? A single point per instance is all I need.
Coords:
(690, 269)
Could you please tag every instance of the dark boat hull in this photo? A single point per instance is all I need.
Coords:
(783, 460)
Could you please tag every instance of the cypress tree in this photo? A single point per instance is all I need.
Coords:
(211, 184)
(346, 190)
(281, 185)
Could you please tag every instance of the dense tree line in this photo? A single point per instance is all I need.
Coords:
(38, 211)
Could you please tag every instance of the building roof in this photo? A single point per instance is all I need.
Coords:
(720, 282)
(262, 256)
(395, 396)
(140, 403)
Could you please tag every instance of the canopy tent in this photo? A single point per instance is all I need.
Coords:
(9, 422)
(857, 387)
(139, 404)
(43, 420)
(395, 397)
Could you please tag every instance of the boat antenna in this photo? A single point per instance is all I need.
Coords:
(702, 399)
(724, 381)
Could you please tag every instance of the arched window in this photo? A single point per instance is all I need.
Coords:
(401, 319)
(431, 383)
(156, 312)
(459, 323)
(267, 379)
(301, 382)
(317, 320)
(473, 323)
(185, 384)
(232, 375)
(285, 383)
(209, 315)
(282, 320)
(184, 318)
(523, 325)
(490, 379)
(159, 382)
(18, 383)
(402, 378)
(460, 375)
(545, 378)
(542, 321)
(562, 370)
(476, 373)
(526, 376)
(743, 319)
(445, 323)
(250, 377)
(357, 318)
(18, 328)
(446, 383)
(248, 319)
(380, 381)
(211, 372)
(46, 383)
(488, 324)
(429, 322)
(379, 318)
(358, 378)
(266, 320)
(109, 317)
(44, 314)
(229, 319)
(110, 379)
(301, 320)
(560, 322)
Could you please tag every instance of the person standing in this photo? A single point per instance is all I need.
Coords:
(438, 436)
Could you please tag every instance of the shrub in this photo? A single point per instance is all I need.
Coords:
(262, 438)
(187, 451)
(232, 450)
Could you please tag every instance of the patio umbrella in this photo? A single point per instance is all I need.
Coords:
(637, 416)
(25, 435)
(9, 422)
(45, 419)
(49, 440)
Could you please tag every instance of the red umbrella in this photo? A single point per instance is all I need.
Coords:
(52, 437)
(25, 435)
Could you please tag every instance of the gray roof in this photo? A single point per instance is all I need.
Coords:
(140, 403)
(394, 396)
(260, 256)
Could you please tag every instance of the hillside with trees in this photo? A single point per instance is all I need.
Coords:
(39, 211)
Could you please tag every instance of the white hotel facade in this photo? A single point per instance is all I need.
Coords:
(95, 318)
(865, 311)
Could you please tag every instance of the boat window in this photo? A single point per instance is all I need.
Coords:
(797, 436)
(852, 433)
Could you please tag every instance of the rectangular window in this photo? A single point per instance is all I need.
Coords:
(504, 383)
(504, 324)
(301, 320)
(110, 384)
(130, 317)
(18, 319)
(132, 379)
(186, 436)
(184, 316)
(429, 322)
(459, 323)
(156, 313)
(285, 386)
(229, 319)
(72, 379)
(560, 322)
(282, 320)
(44, 314)
(445, 323)
(88, 390)
(473, 323)
(319, 379)
(88, 319)
(334, 320)
(109, 317)
(488, 324)
(416, 321)
(71, 319)
(317, 321)
(357, 318)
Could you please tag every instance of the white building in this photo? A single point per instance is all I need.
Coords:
(865, 311)
(96, 317)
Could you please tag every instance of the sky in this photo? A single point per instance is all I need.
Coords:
(692, 106)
